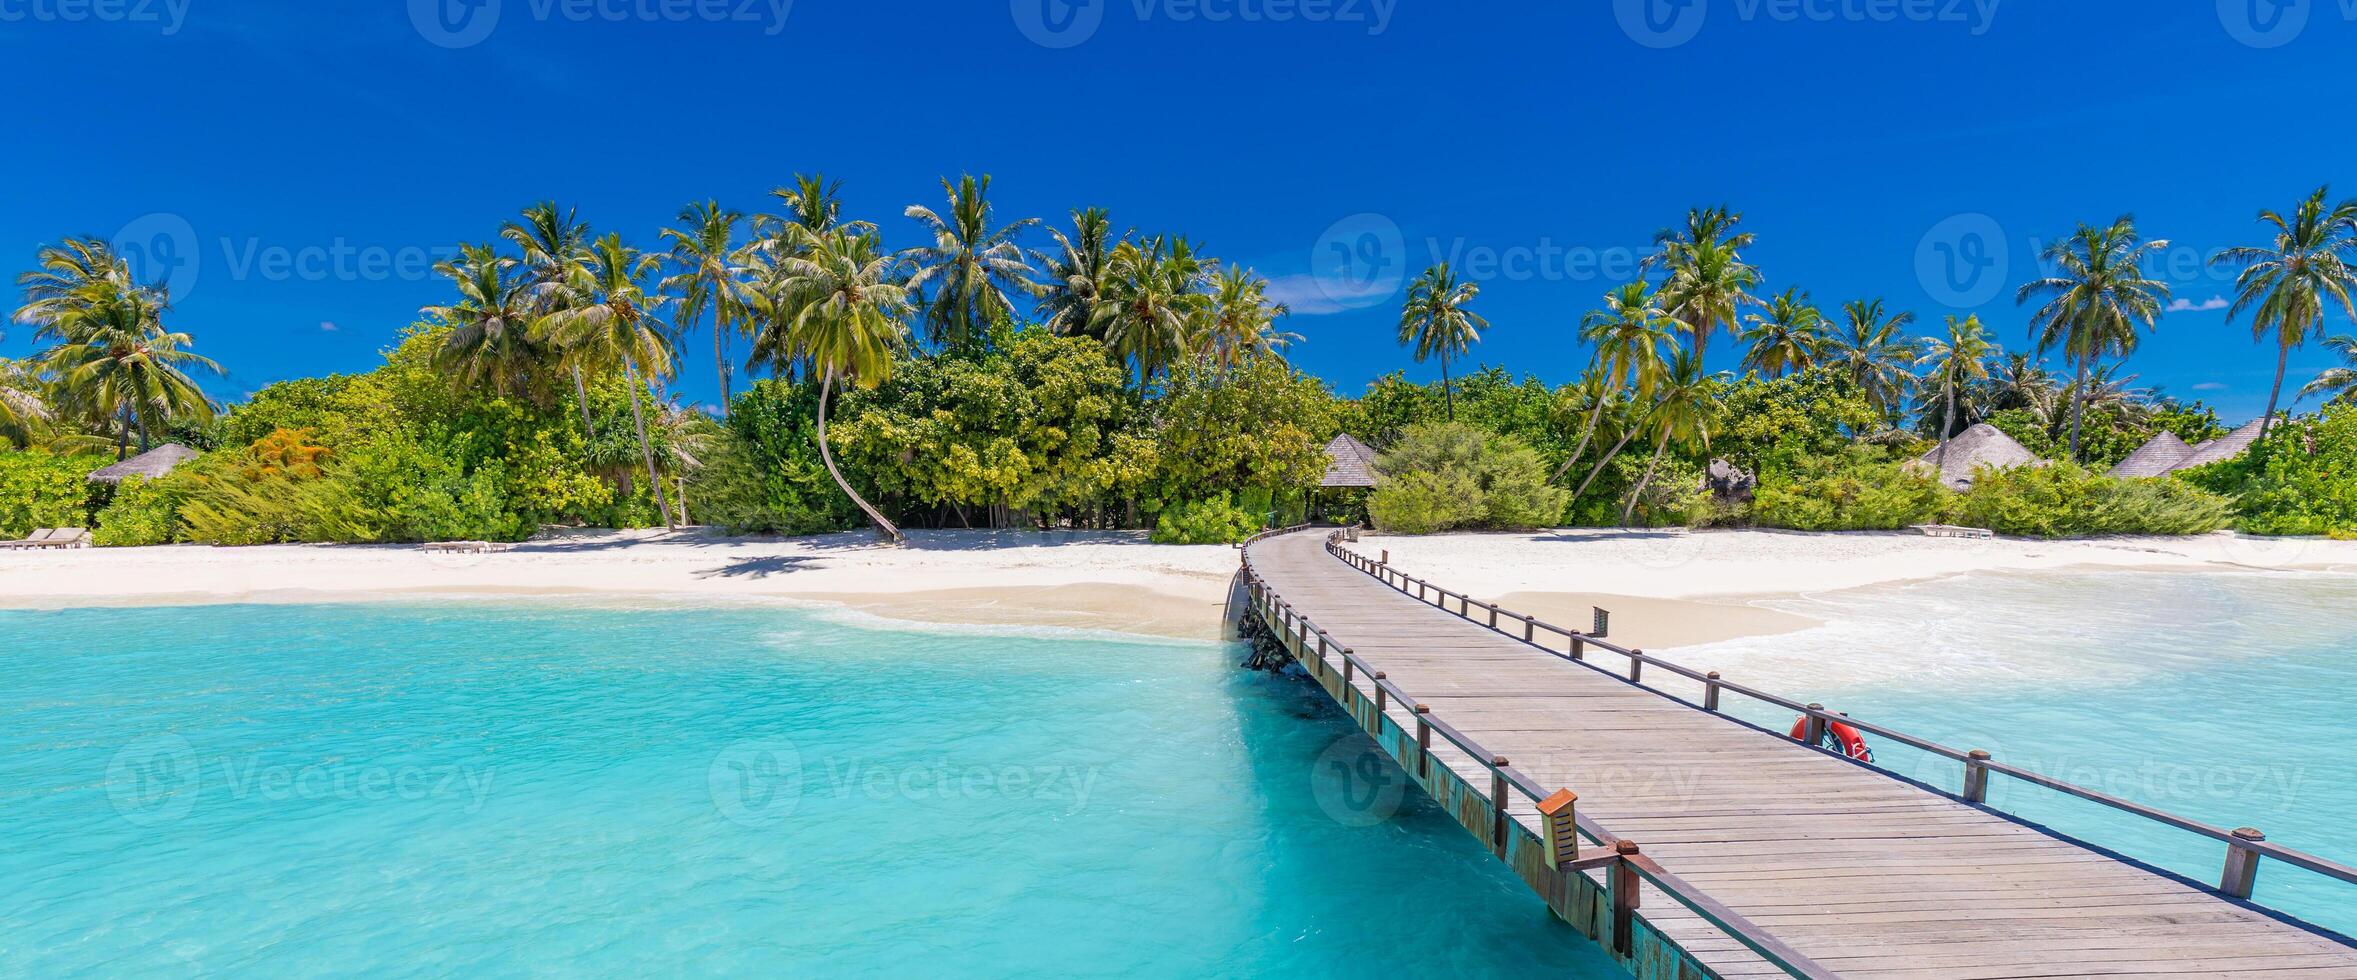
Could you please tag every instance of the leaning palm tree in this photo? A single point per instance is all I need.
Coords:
(119, 363)
(1708, 280)
(2285, 285)
(2094, 307)
(1681, 413)
(68, 277)
(1876, 355)
(616, 327)
(1152, 292)
(2337, 384)
(1074, 273)
(1959, 360)
(844, 314)
(555, 273)
(1435, 321)
(490, 341)
(1238, 322)
(969, 265)
(1629, 335)
(705, 254)
(1788, 334)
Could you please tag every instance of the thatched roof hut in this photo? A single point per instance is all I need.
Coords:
(2164, 453)
(1349, 464)
(2234, 444)
(1981, 445)
(150, 464)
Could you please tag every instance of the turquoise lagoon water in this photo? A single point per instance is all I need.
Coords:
(2230, 699)
(481, 789)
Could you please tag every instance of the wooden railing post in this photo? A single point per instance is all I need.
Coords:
(1976, 776)
(1814, 731)
(1493, 615)
(1624, 898)
(1636, 666)
(1579, 646)
(1424, 742)
(2242, 864)
(1562, 836)
(1382, 700)
(1497, 803)
(1710, 691)
(1529, 628)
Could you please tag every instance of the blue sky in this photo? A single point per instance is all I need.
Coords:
(295, 167)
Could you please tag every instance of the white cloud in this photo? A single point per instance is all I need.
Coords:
(2188, 306)
(1309, 295)
(327, 326)
(2210, 386)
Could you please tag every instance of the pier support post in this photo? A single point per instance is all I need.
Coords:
(1382, 700)
(1976, 776)
(1498, 801)
(1424, 742)
(1710, 691)
(1624, 899)
(2242, 864)
(1562, 835)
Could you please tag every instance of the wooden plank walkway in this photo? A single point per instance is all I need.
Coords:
(1865, 874)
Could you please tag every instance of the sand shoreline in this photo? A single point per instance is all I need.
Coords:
(1666, 589)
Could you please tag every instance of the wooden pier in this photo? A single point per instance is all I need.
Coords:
(1689, 844)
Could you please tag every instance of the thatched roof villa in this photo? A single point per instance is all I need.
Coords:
(2167, 454)
(1349, 464)
(1981, 445)
(149, 465)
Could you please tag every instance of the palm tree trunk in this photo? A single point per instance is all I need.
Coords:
(1447, 393)
(581, 391)
(1585, 435)
(2283, 354)
(646, 450)
(1646, 480)
(1947, 430)
(1601, 464)
(2078, 405)
(123, 435)
(826, 389)
(720, 354)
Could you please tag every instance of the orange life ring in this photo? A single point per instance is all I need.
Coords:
(1837, 736)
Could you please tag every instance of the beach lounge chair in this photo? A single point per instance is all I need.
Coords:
(463, 547)
(66, 537)
(33, 540)
(1952, 531)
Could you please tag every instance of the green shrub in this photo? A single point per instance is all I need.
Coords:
(1450, 476)
(39, 489)
(143, 512)
(1214, 521)
(2302, 480)
(2066, 500)
(1833, 496)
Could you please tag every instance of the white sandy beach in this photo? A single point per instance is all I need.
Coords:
(1666, 588)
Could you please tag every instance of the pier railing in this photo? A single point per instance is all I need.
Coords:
(1619, 860)
(2245, 846)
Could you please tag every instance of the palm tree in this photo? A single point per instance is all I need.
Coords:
(23, 410)
(814, 202)
(1151, 294)
(555, 246)
(1239, 322)
(1680, 413)
(491, 339)
(1788, 335)
(616, 326)
(705, 254)
(2095, 305)
(1957, 361)
(118, 362)
(2285, 285)
(2339, 383)
(1629, 335)
(1708, 279)
(843, 314)
(1435, 321)
(1874, 353)
(69, 277)
(972, 264)
(1075, 273)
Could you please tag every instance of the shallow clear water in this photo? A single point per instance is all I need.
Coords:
(484, 789)
(2229, 699)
